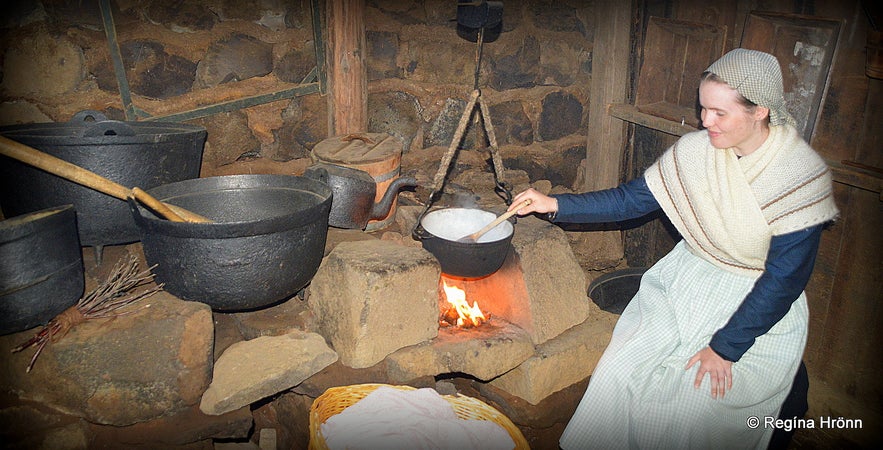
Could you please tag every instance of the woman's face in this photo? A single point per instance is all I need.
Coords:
(730, 124)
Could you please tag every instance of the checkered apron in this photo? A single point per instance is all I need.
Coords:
(640, 395)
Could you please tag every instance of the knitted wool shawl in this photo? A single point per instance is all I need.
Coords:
(727, 208)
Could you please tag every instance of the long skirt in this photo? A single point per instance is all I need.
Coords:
(641, 396)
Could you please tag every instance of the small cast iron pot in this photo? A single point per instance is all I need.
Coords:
(265, 244)
(41, 267)
(440, 230)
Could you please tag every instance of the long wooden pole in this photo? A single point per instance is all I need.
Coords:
(347, 68)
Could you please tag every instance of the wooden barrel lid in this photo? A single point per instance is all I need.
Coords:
(358, 149)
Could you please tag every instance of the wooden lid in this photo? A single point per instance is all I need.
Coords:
(359, 148)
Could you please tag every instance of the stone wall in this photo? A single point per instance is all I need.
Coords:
(535, 74)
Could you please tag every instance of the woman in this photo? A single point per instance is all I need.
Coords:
(716, 332)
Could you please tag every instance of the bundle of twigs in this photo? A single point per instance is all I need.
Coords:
(112, 298)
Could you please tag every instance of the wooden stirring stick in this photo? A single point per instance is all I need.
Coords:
(474, 236)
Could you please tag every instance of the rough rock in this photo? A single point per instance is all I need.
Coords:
(372, 298)
(383, 46)
(553, 278)
(251, 370)
(562, 115)
(305, 124)
(120, 371)
(483, 352)
(511, 124)
(150, 71)
(292, 314)
(296, 64)
(18, 112)
(517, 68)
(186, 427)
(228, 139)
(397, 114)
(562, 361)
(41, 65)
(234, 58)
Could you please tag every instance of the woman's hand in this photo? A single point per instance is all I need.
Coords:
(719, 370)
(540, 203)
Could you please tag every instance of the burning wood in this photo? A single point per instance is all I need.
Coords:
(460, 314)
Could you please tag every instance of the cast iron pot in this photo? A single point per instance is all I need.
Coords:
(354, 191)
(133, 154)
(439, 231)
(613, 291)
(41, 267)
(265, 245)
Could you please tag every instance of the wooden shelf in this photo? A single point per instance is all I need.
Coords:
(844, 174)
(630, 113)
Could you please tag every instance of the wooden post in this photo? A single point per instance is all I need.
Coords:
(347, 72)
(610, 81)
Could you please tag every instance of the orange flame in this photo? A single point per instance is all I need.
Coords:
(466, 314)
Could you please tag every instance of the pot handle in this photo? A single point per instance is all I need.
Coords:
(108, 128)
(87, 116)
(418, 232)
(360, 136)
(317, 173)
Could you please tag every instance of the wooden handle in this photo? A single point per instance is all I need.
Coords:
(498, 220)
(62, 168)
(79, 175)
(169, 211)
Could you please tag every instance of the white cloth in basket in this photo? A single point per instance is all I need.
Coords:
(390, 418)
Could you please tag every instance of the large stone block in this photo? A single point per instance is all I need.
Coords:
(249, 371)
(484, 352)
(562, 361)
(130, 369)
(371, 298)
(555, 283)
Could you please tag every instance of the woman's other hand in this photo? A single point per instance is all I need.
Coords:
(540, 203)
(719, 370)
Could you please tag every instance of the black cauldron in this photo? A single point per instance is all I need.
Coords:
(440, 230)
(133, 154)
(265, 244)
(41, 267)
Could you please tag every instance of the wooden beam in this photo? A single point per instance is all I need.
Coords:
(347, 68)
(610, 81)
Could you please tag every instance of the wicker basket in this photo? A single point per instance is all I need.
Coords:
(336, 399)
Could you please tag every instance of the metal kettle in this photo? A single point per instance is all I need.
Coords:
(353, 192)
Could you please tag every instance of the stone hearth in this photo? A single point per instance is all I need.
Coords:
(376, 300)
(177, 373)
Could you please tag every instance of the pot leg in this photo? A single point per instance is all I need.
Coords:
(99, 254)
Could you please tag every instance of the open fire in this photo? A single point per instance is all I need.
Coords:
(457, 312)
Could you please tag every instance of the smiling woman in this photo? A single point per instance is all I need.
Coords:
(727, 301)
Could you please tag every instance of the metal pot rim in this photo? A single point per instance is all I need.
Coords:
(221, 230)
(66, 134)
(22, 225)
(451, 224)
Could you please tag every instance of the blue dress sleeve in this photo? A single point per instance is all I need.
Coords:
(788, 267)
(626, 201)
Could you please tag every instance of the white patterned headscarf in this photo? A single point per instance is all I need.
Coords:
(757, 76)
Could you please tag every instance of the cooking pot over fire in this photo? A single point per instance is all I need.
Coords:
(354, 191)
(439, 232)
